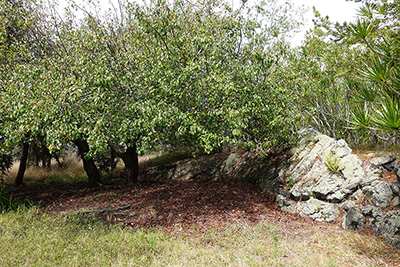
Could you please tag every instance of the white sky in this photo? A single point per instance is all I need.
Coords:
(337, 10)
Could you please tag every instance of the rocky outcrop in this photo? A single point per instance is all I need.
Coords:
(326, 182)
(320, 178)
(242, 167)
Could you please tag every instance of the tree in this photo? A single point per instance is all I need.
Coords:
(23, 44)
(325, 72)
(378, 31)
(184, 74)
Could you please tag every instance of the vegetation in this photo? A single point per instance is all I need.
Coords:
(144, 78)
(182, 75)
(69, 240)
(332, 163)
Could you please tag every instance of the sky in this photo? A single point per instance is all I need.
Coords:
(337, 10)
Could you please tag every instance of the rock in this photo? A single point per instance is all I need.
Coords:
(319, 194)
(348, 204)
(372, 213)
(366, 189)
(395, 189)
(389, 227)
(353, 220)
(381, 194)
(327, 185)
(379, 161)
(357, 195)
(372, 177)
(282, 201)
(299, 193)
(319, 210)
(336, 197)
(229, 164)
(341, 149)
(396, 201)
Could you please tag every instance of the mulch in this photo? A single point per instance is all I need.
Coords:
(167, 204)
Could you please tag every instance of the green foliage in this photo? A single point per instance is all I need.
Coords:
(378, 30)
(8, 203)
(185, 74)
(289, 183)
(332, 163)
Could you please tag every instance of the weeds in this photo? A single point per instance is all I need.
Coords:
(289, 183)
(6, 201)
(332, 163)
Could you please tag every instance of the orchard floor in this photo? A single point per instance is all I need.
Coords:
(179, 207)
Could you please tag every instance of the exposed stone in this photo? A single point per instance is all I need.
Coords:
(230, 163)
(341, 149)
(348, 204)
(389, 227)
(379, 161)
(317, 210)
(353, 220)
(372, 177)
(380, 195)
(395, 189)
(357, 195)
(366, 189)
(319, 194)
(282, 201)
(372, 212)
(298, 192)
(327, 185)
(336, 197)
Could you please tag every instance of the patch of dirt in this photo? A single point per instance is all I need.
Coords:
(170, 204)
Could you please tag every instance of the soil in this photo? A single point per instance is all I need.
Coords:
(172, 205)
(176, 206)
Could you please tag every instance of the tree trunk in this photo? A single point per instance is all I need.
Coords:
(131, 161)
(22, 164)
(88, 164)
(113, 159)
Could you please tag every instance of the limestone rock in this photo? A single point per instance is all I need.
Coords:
(381, 194)
(389, 227)
(357, 195)
(379, 161)
(353, 220)
(317, 210)
(326, 186)
(230, 163)
(348, 205)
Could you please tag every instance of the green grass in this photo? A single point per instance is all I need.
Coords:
(332, 163)
(29, 238)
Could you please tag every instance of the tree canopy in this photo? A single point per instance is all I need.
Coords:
(180, 74)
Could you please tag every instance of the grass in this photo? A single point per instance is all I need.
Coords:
(71, 172)
(332, 163)
(162, 158)
(29, 238)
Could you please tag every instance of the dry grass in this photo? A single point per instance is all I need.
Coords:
(28, 238)
(340, 248)
(72, 171)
